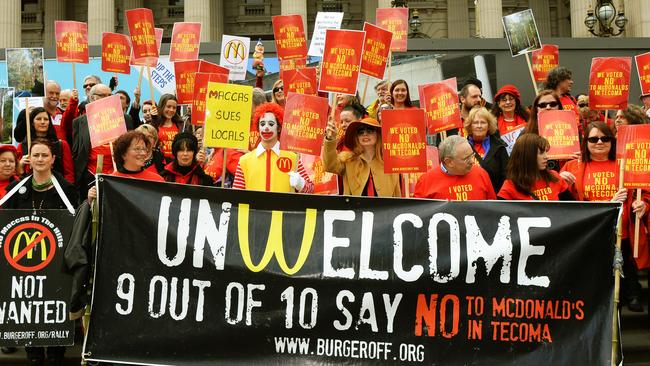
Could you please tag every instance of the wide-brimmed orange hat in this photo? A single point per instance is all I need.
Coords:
(351, 132)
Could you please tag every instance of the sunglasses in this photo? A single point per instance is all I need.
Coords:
(582, 105)
(366, 130)
(595, 140)
(543, 105)
(278, 88)
(86, 86)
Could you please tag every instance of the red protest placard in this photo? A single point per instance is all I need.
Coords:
(303, 126)
(561, 131)
(297, 63)
(324, 182)
(184, 72)
(404, 137)
(116, 53)
(545, 59)
(341, 60)
(289, 34)
(643, 69)
(186, 39)
(440, 101)
(71, 41)
(433, 161)
(105, 120)
(200, 89)
(376, 48)
(143, 36)
(395, 20)
(149, 61)
(634, 144)
(205, 66)
(609, 82)
(301, 81)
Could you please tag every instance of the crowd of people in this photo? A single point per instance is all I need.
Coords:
(56, 166)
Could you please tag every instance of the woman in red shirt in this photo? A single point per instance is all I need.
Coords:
(168, 122)
(508, 110)
(528, 176)
(401, 97)
(8, 166)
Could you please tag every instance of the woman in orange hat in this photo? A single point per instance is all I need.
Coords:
(362, 167)
(508, 110)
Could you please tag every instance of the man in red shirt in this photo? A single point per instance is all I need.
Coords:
(457, 178)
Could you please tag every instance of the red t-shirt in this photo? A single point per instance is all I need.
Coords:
(599, 180)
(107, 167)
(541, 189)
(507, 126)
(166, 137)
(144, 175)
(436, 184)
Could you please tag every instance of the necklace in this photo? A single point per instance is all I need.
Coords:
(42, 186)
(40, 205)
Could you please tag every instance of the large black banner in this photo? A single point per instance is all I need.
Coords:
(34, 290)
(198, 276)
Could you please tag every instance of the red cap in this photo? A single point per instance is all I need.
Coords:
(508, 89)
(11, 148)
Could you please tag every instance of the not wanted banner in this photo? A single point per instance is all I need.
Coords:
(213, 276)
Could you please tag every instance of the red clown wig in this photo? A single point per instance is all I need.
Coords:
(274, 108)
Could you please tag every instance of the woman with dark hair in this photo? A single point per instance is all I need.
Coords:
(508, 110)
(400, 95)
(528, 177)
(8, 167)
(185, 168)
(490, 151)
(362, 166)
(44, 189)
(168, 122)
(545, 100)
(41, 127)
(596, 178)
(155, 161)
(632, 115)
(130, 152)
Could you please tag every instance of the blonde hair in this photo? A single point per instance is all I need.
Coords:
(480, 112)
(148, 129)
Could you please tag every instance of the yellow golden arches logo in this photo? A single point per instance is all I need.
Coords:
(29, 239)
(235, 51)
(274, 246)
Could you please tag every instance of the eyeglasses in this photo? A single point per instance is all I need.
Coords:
(366, 130)
(582, 105)
(278, 88)
(139, 149)
(604, 139)
(543, 105)
(89, 85)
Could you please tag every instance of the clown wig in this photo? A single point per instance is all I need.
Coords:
(274, 108)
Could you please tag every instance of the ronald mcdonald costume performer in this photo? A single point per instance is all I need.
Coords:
(267, 168)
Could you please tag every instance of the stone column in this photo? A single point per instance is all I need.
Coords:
(54, 10)
(217, 20)
(383, 4)
(457, 19)
(638, 15)
(488, 19)
(542, 12)
(370, 10)
(199, 11)
(288, 7)
(10, 20)
(578, 13)
(132, 4)
(101, 18)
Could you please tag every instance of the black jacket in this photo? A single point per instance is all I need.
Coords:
(495, 161)
(23, 200)
(78, 259)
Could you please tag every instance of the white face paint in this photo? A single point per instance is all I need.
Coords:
(268, 127)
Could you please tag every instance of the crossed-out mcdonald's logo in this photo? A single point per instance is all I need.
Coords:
(29, 239)
(235, 51)
(274, 246)
(20, 247)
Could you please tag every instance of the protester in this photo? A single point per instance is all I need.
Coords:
(166, 119)
(645, 100)
(490, 150)
(259, 98)
(400, 95)
(277, 94)
(89, 82)
(85, 157)
(267, 168)
(457, 178)
(42, 190)
(588, 115)
(8, 167)
(560, 80)
(64, 98)
(125, 99)
(362, 167)
(632, 115)
(508, 109)
(130, 153)
(41, 127)
(470, 96)
(155, 161)
(383, 96)
(528, 176)
(185, 168)
(545, 100)
(213, 164)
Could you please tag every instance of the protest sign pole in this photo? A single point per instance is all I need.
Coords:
(532, 76)
(29, 130)
(153, 96)
(636, 226)
(140, 77)
(390, 64)
(407, 185)
(74, 75)
(223, 169)
(110, 144)
(365, 89)
(617, 270)
(606, 115)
